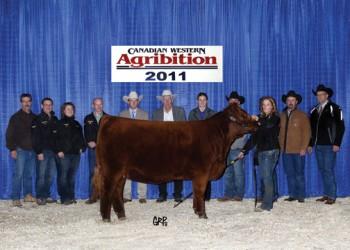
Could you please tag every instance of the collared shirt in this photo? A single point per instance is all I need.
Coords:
(132, 113)
(168, 116)
(321, 107)
(98, 117)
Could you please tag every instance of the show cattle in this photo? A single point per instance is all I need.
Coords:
(157, 152)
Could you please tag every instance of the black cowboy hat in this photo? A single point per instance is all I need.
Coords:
(235, 95)
(292, 93)
(321, 87)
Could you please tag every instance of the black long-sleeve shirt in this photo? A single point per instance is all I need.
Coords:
(266, 137)
(18, 133)
(328, 127)
(70, 139)
(44, 131)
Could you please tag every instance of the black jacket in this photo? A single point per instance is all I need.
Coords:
(70, 139)
(327, 128)
(195, 114)
(266, 137)
(44, 131)
(18, 133)
(91, 127)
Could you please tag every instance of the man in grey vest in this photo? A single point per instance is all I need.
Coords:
(169, 113)
(134, 112)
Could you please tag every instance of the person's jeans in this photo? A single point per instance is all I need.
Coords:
(234, 177)
(294, 167)
(141, 190)
(178, 186)
(67, 168)
(92, 165)
(44, 171)
(23, 173)
(267, 164)
(326, 159)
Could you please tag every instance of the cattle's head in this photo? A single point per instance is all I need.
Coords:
(240, 119)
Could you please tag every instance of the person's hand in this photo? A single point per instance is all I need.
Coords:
(60, 155)
(40, 157)
(336, 148)
(240, 155)
(255, 118)
(14, 154)
(309, 149)
(80, 151)
(303, 152)
(92, 144)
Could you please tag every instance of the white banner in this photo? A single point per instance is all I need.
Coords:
(166, 64)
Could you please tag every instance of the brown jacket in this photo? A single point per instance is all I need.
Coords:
(298, 132)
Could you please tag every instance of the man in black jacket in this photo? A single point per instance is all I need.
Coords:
(327, 126)
(91, 125)
(44, 129)
(19, 142)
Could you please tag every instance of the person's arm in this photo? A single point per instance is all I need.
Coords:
(81, 137)
(191, 116)
(11, 138)
(340, 126)
(305, 133)
(59, 144)
(36, 136)
(89, 133)
(183, 114)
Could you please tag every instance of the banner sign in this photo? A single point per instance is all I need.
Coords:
(166, 64)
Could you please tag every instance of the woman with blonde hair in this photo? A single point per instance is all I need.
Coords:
(267, 145)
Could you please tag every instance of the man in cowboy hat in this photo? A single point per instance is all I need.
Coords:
(294, 138)
(234, 177)
(168, 113)
(134, 112)
(91, 126)
(202, 112)
(327, 126)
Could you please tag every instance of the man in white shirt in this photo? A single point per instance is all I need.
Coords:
(168, 113)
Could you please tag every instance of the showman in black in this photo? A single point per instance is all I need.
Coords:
(327, 126)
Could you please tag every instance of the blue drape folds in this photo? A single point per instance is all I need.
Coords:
(62, 49)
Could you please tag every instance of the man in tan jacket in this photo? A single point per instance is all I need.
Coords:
(294, 138)
(134, 112)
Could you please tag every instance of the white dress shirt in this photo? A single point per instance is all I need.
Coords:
(168, 116)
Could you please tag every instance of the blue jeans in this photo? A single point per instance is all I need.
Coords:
(23, 173)
(294, 166)
(267, 164)
(92, 164)
(44, 172)
(234, 177)
(326, 163)
(67, 168)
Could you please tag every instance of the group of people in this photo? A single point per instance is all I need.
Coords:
(47, 143)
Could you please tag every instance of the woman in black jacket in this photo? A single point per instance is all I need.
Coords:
(266, 141)
(69, 145)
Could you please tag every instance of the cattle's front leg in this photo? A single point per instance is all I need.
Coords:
(118, 202)
(105, 202)
(199, 186)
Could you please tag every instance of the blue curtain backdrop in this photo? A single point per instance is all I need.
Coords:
(62, 49)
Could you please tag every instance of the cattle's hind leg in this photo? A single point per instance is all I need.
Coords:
(106, 202)
(199, 186)
(118, 202)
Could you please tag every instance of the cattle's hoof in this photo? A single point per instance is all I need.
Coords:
(106, 220)
(203, 216)
(122, 218)
(196, 212)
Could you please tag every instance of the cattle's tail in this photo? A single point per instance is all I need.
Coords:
(97, 183)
